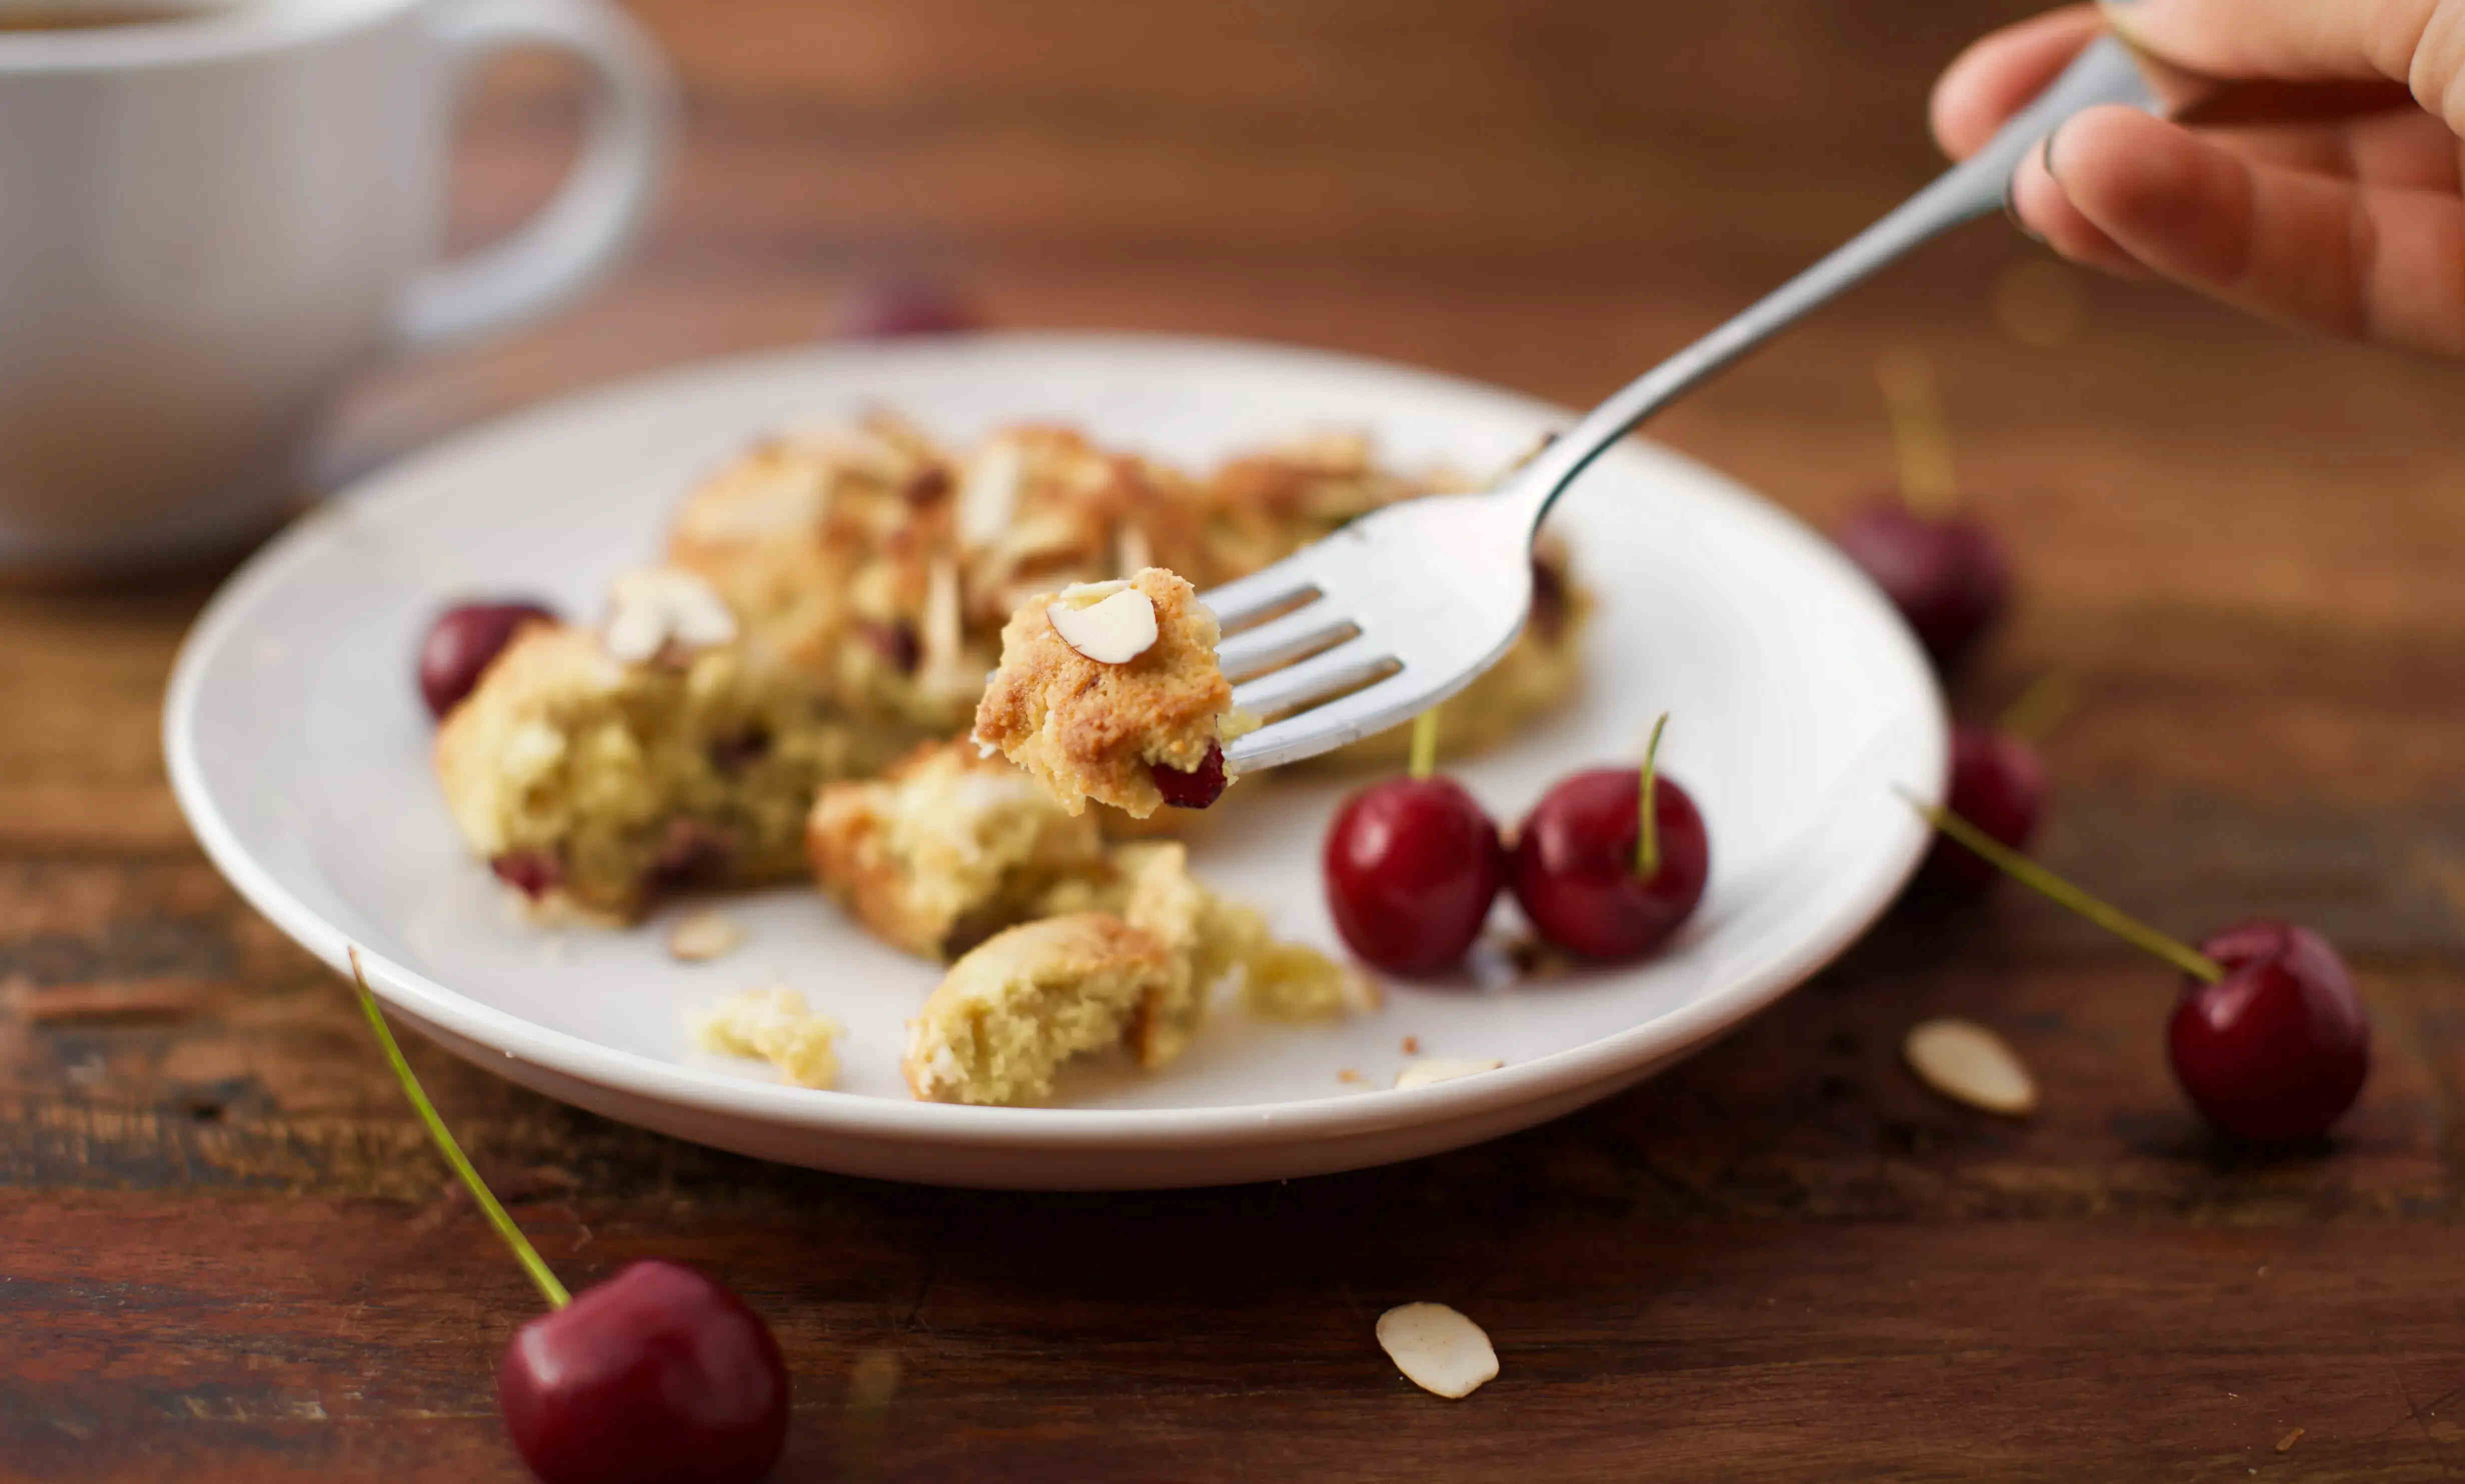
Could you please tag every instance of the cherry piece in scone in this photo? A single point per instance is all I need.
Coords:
(2278, 1047)
(1412, 864)
(657, 1375)
(1997, 784)
(1582, 870)
(892, 308)
(462, 643)
(1191, 788)
(1946, 574)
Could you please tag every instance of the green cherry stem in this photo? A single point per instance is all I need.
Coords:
(1647, 838)
(2041, 707)
(523, 1252)
(1425, 745)
(2037, 879)
(1923, 446)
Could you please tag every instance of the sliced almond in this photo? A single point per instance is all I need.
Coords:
(1437, 1349)
(1131, 552)
(656, 608)
(1969, 1064)
(1442, 1069)
(699, 937)
(989, 492)
(1111, 631)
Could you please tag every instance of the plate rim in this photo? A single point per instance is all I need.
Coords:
(1337, 1116)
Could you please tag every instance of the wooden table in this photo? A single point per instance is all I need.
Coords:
(226, 1254)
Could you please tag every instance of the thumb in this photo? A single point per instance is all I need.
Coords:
(2302, 40)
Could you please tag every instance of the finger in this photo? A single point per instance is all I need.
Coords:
(2291, 245)
(1998, 75)
(2038, 204)
(2291, 39)
(2408, 151)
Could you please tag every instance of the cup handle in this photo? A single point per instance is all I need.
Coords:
(573, 238)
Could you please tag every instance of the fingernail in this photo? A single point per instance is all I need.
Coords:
(2046, 154)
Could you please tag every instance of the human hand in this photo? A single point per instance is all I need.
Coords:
(2328, 195)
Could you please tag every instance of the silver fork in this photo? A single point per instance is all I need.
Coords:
(1401, 609)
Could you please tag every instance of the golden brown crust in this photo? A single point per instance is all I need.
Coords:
(1017, 1006)
(1087, 729)
(946, 847)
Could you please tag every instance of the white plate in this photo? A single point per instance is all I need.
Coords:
(299, 752)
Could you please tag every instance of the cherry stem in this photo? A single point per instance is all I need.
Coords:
(1919, 436)
(523, 1252)
(1425, 745)
(2041, 707)
(1646, 837)
(2037, 879)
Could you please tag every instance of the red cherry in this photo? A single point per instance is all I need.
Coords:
(895, 307)
(462, 643)
(1195, 788)
(1574, 868)
(1411, 866)
(1945, 574)
(657, 1376)
(2277, 1049)
(1999, 785)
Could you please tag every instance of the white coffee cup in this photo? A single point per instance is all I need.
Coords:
(208, 222)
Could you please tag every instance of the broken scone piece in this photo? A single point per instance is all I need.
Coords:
(946, 848)
(1027, 1000)
(776, 1026)
(1111, 692)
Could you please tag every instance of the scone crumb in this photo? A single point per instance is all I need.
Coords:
(699, 937)
(1411, 1046)
(1430, 1070)
(1437, 1349)
(774, 1025)
(1347, 1074)
(1284, 981)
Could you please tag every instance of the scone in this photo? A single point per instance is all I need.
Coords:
(887, 566)
(1110, 692)
(596, 772)
(1027, 1000)
(946, 848)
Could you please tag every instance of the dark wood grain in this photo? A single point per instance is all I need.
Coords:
(225, 1254)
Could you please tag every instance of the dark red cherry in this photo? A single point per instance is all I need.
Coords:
(657, 1376)
(2277, 1049)
(462, 642)
(1999, 785)
(894, 308)
(1575, 873)
(1195, 788)
(1411, 866)
(1947, 574)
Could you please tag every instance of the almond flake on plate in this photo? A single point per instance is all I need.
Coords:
(1442, 1069)
(1437, 1349)
(1969, 1064)
(699, 937)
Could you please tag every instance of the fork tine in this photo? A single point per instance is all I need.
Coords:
(1285, 636)
(1243, 599)
(1349, 663)
(1319, 729)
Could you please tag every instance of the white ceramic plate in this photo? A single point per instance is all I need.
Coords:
(299, 752)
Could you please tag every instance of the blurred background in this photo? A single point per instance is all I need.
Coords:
(1550, 196)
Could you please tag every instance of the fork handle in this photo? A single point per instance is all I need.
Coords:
(2103, 73)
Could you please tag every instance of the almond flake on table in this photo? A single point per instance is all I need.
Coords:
(1443, 1069)
(1437, 1349)
(699, 937)
(1969, 1064)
